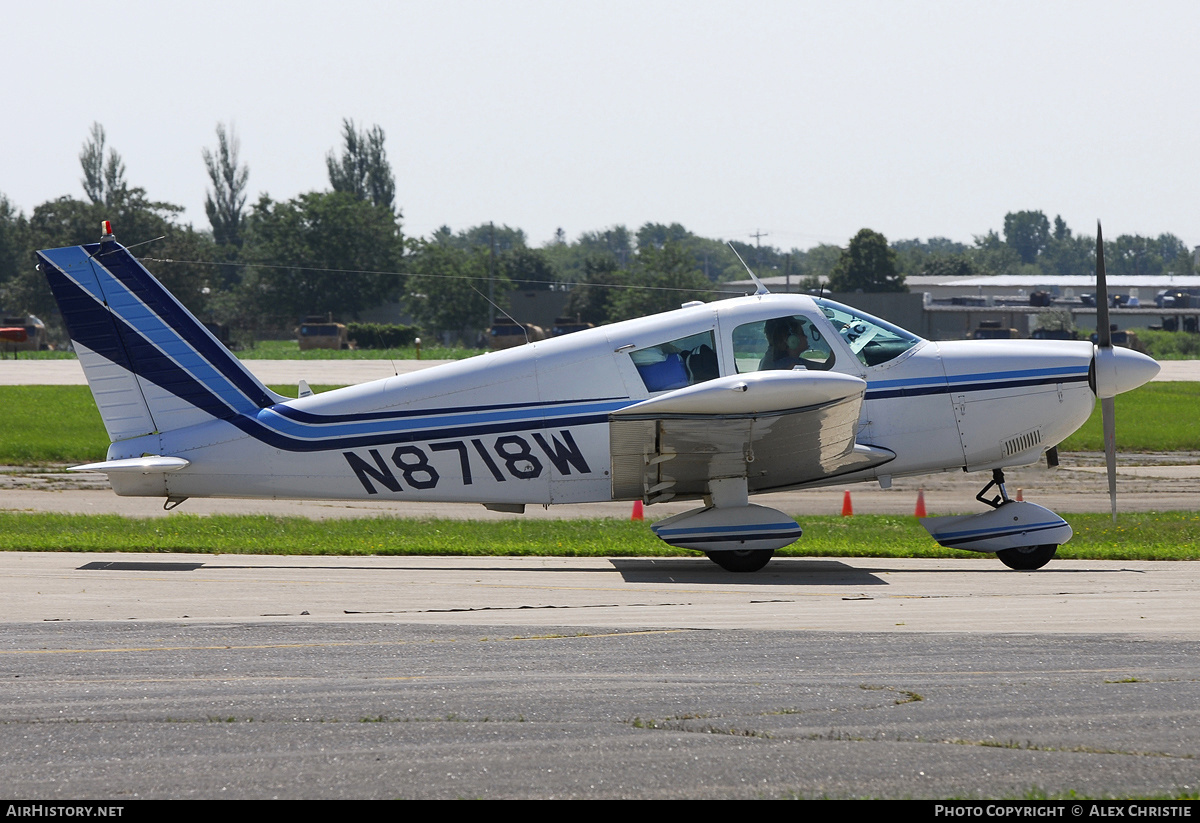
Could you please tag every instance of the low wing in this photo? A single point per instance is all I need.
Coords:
(778, 429)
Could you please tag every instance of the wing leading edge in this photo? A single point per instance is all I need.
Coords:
(777, 429)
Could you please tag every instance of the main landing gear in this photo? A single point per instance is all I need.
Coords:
(1024, 536)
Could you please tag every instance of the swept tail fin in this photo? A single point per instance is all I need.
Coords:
(151, 365)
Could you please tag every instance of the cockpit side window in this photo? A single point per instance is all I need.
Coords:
(872, 340)
(677, 363)
(787, 342)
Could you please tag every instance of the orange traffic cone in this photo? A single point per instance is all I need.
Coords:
(920, 512)
(847, 509)
(1020, 495)
(637, 511)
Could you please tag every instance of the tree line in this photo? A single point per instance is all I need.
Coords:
(262, 266)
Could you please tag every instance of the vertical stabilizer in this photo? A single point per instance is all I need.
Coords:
(151, 365)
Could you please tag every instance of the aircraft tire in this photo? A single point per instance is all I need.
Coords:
(749, 560)
(1027, 558)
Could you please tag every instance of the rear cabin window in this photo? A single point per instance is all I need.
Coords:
(677, 363)
(780, 343)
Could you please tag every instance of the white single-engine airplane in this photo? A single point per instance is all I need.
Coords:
(712, 402)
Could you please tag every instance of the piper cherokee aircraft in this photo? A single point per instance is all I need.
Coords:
(712, 402)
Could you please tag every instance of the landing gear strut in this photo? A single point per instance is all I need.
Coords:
(997, 481)
(1021, 558)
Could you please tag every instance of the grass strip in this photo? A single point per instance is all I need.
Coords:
(1157, 417)
(59, 424)
(1144, 536)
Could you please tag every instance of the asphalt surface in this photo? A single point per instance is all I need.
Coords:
(178, 676)
(181, 676)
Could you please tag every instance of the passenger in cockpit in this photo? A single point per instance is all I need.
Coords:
(786, 341)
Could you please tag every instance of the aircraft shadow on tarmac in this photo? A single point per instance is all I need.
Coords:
(139, 566)
(789, 571)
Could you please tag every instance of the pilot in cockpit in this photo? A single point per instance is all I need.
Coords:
(786, 341)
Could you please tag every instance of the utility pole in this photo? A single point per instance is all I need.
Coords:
(491, 274)
(758, 236)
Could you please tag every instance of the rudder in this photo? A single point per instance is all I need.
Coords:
(151, 365)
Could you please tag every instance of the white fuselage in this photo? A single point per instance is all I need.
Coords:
(530, 424)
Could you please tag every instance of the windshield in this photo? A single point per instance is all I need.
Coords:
(872, 340)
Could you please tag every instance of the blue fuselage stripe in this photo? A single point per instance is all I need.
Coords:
(974, 383)
(744, 537)
(384, 437)
(975, 535)
(700, 530)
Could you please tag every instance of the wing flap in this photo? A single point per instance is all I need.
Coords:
(776, 429)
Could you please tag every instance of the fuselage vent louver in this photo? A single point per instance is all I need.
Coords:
(1022, 442)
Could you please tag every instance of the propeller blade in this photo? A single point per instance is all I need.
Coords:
(1052, 457)
(1108, 413)
(1103, 329)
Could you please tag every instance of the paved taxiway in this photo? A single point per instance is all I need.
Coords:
(130, 676)
(135, 676)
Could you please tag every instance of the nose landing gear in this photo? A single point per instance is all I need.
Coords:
(1024, 536)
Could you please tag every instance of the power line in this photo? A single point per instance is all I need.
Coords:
(318, 269)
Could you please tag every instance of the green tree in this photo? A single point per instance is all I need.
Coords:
(575, 262)
(225, 203)
(950, 265)
(597, 286)
(446, 289)
(363, 170)
(868, 265)
(993, 255)
(615, 241)
(103, 181)
(502, 238)
(1138, 255)
(916, 257)
(657, 235)
(662, 280)
(1027, 233)
(149, 227)
(818, 262)
(321, 252)
(527, 269)
(1067, 253)
(13, 228)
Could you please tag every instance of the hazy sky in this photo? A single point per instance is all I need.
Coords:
(805, 120)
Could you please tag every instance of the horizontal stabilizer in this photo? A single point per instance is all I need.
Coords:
(141, 465)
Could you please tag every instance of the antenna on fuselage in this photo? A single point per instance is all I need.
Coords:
(761, 288)
(521, 326)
